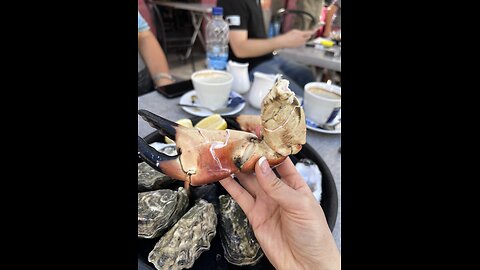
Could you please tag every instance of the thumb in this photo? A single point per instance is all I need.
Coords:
(273, 186)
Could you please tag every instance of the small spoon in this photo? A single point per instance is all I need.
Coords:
(221, 110)
(329, 126)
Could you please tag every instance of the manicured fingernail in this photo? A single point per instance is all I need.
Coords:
(264, 166)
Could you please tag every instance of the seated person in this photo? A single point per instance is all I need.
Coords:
(249, 43)
(153, 70)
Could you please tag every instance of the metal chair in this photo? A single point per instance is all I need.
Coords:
(284, 20)
(171, 37)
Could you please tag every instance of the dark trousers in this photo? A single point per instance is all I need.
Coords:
(145, 83)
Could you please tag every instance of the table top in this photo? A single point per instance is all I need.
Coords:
(312, 56)
(326, 145)
(205, 8)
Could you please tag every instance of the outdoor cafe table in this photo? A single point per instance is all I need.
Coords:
(312, 56)
(326, 145)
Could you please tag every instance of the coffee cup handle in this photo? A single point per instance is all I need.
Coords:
(333, 114)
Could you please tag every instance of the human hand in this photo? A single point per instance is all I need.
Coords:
(287, 220)
(162, 82)
(295, 38)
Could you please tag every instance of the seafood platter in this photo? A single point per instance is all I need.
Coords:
(186, 219)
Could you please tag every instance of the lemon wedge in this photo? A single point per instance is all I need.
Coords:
(183, 122)
(214, 121)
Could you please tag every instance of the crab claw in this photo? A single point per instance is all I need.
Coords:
(250, 123)
(164, 126)
(205, 156)
(169, 165)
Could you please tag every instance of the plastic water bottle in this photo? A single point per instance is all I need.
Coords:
(217, 40)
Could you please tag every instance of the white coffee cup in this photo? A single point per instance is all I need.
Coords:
(212, 87)
(322, 102)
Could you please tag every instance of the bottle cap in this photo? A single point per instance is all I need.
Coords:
(217, 11)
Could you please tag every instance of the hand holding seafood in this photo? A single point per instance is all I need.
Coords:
(287, 220)
(206, 156)
(200, 156)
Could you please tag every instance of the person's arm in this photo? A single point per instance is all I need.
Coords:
(331, 11)
(154, 58)
(244, 47)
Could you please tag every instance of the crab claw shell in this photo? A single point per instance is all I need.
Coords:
(211, 155)
(248, 122)
(283, 120)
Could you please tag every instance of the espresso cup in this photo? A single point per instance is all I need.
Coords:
(212, 87)
(322, 102)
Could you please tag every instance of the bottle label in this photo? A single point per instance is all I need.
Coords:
(233, 20)
(217, 61)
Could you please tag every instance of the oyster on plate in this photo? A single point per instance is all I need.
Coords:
(158, 210)
(187, 239)
(238, 240)
(151, 179)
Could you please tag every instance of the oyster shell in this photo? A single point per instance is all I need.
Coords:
(158, 210)
(151, 179)
(186, 240)
(312, 175)
(238, 240)
(167, 149)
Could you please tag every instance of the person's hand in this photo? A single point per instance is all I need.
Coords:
(163, 81)
(287, 220)
(295, 38)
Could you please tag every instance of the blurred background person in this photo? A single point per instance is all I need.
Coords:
(153, 70)
(333, 20)
(249, 43)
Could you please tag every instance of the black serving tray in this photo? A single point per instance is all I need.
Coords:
(213, 258)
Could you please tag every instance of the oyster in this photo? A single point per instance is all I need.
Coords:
(151, 179)
(158, 210)
(169, 149)
(238, 240)
(312, 175)
(186, 240)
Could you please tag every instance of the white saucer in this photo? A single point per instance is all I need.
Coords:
(336, 131)
(187, 99)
